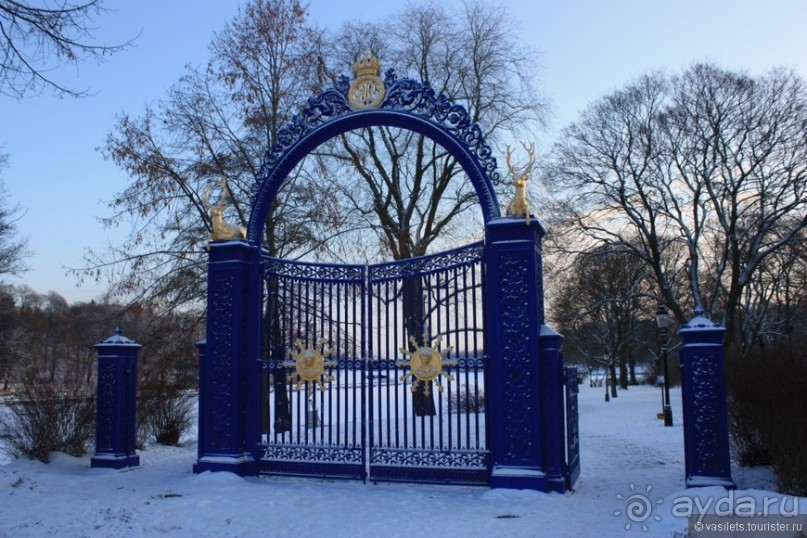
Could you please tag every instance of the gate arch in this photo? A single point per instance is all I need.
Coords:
(524, 428)
(409, 105)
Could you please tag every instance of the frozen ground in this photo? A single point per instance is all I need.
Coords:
(627, 455)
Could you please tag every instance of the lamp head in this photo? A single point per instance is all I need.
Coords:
(662, 318)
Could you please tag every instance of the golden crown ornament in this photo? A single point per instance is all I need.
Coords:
(367, 90)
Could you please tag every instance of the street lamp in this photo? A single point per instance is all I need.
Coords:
(663, 322)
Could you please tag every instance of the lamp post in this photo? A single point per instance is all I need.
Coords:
(663, 322)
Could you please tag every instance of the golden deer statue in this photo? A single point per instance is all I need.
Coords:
(519, 205)
(223, 231)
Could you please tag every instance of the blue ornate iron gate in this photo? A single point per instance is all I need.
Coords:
(313, 419)
(427, 357)
(309, 369)
(376, 372)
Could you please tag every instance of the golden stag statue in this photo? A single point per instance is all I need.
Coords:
(222, 231)
(519, 206)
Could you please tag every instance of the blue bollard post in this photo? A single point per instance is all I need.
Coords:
(116, 417)
(552, 380)
(703, 391)
(572, 471)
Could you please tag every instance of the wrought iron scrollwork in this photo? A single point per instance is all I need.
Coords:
(414, 457)
(437, 262)
(337, 454)
(312, 271)
(403, 94)
(420, 98)
(329, 104)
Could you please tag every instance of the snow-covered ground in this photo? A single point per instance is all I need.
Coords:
(630, 462)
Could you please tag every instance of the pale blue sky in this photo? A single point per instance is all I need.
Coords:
(588, 48)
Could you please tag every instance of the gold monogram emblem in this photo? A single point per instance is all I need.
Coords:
(367, 91)
(426, 365)
(309, 364)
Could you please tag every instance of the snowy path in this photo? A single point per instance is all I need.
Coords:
(622, 443)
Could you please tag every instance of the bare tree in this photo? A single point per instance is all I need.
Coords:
(405, 193)
(13, 249)
(600, 304)
(745, 161)
(37, 39)
(203, 144)
(216, 124)
(776, 309)
(11, 335)
(708, 169)
(406, 190)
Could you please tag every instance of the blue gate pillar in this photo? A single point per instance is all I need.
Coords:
(116, 422)
(703, 391)
(228, 357)
(524, 379)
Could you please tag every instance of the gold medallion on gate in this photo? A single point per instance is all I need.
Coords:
(426, 365)
(309, 364)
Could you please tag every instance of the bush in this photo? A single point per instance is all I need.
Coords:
(468, 400)
(748, 407)
(768, 417)
(164, 414)
(50, 417)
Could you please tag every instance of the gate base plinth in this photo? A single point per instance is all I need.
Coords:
(525, 478)
(114, 461)
(243, 465)
(708, 481)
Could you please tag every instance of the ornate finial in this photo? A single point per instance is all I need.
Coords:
(390, 77)
(342, 86)
(367, 91)
(118, 330)
(698, 311)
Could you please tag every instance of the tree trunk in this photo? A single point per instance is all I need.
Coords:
(612, 367)
(277, 352)
(623, 372)
(413, 314)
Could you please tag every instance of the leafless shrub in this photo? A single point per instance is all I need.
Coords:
(164, 414)
(468, 400)
(768, 417)
(50, 417)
